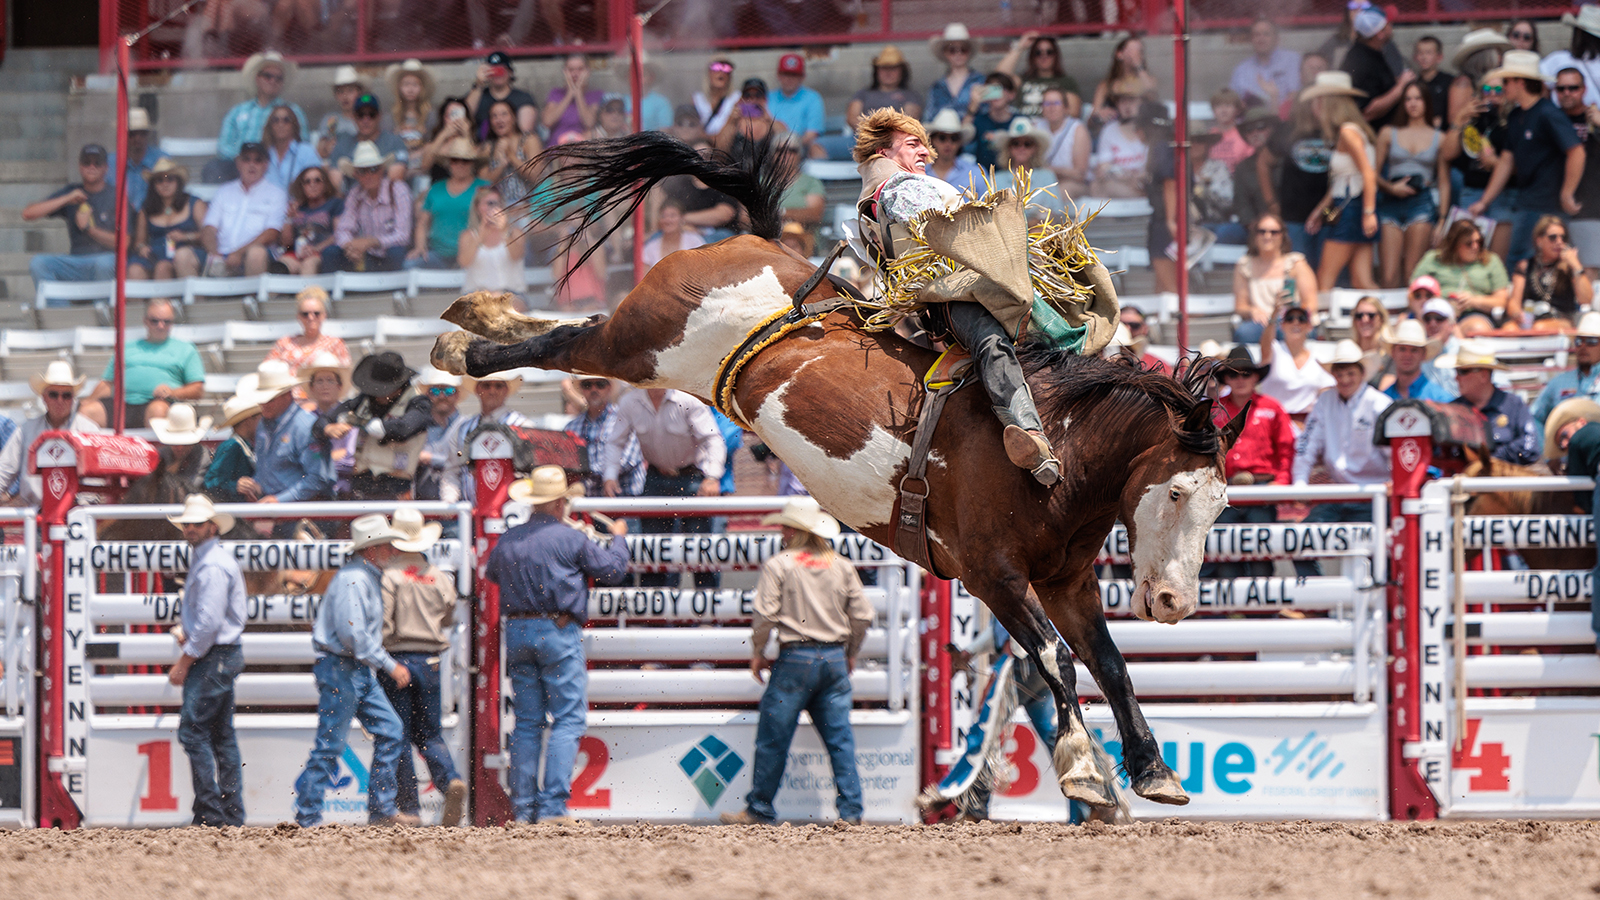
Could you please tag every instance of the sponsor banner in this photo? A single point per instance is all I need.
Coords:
(1553, 532)
(1547, 586)
(1275, 541)
(680, 605)
(1528, 755)
(165, 609)
(736, 551)
(253, 556)
(1270, 761)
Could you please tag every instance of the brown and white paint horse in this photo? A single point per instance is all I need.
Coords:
(840, 405)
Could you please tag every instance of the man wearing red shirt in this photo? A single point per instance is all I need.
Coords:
(1261, 455)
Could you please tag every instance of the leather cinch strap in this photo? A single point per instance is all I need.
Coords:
(910, 509)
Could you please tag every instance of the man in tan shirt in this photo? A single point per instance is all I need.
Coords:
(812, 598)
(419, 603)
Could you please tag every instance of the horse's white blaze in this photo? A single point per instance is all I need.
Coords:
(723, 318)
(859, 489)
(1170, 542)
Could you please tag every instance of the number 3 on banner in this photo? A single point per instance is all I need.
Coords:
(158, 796)
(1021, 757)
(595, 758)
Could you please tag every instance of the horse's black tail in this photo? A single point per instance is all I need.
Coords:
(586, 181)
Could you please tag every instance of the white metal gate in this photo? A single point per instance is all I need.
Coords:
(19, 581)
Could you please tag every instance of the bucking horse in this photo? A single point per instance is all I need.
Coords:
(839, 403)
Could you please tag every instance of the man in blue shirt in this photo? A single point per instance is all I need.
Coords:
(266, 74)
(1516, 439)
(1410, 350)
(348, 635)
(797, 106)
(1578, 381)
(290, 466)
(213, 619)
(540, 568)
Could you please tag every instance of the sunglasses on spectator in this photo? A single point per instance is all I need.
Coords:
(312, 179)
(1460, 372)
(1363, 316)
(58, 395)
(1587, 341)
(270, 76)
(1475, 242)
(1569, 88)
(366, 114)
(594, 384)
(1434, 318)
(369, 170)
(1296, 319)
(252, 158)
(312, 313)
(1269, 231)
(441, 390)
(158, 321)
(282, 120)
(1522, 35)
(964, 49)
(1555, 236)
(1044, 51)
(1044, 103)
(955, 138)
(725, 68)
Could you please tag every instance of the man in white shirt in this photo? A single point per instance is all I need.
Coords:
(57, 388)
(1271, 74)
(244, 218)
(1338, 435)
(458, 481)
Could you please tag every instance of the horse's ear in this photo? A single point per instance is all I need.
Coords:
(1232, 430)
(1198, 419)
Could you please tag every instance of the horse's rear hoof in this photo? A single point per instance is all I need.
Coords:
(1094, 793)
(450, 352)
(1161, 787)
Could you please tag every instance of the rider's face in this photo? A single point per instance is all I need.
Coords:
(908, 152)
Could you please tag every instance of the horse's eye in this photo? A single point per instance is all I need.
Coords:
(1175, 494)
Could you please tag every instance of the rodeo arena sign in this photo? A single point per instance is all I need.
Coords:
(1414, 679)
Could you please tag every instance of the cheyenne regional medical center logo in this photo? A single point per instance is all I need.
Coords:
(1308, 765)
(711, 766)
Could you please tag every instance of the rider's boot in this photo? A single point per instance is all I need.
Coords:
(1002, 377)
(1027, 448)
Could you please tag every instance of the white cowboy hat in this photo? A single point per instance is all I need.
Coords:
(416, 534)
(259, 61)
(953, 33)
(1589, 325)
(369, 531)
(1517, 64)
(324, 361)
(429, 376)
(805, 514)
(238, 408)
(179, 428)
(1481, 39)
(1587, 19)
(366, 156)
(1210, 349)
(1565, 412)
(1409, 333)
(512, 380)
(346, 75)
(1022, 127)
(462, 148)
(138, 119)
(270, 379)
(409, 67)
(1471, 355)
(197, 508)
(948, 121)
(1346, 353)
(1329, 84)
(542, 485)
(57, 374)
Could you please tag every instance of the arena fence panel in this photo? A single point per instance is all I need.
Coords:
(18, 694)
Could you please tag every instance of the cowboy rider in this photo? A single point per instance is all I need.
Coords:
(892, 151)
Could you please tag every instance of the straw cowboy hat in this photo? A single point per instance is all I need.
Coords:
(1346, 353)
(179, 428)
(805, 514)
(1517, 64)
(138, 119)
(410, 67)
(324, 361)
(1587, 19)
(238, 408)
(1125, 87)
(366, 156)
(165, 165)
(1330, 84)
(889, 56)
(370, 531)
(197, 508)
(1240, 359)
(253, 66)
(416, 535)
(429, 376)
(346, 75)
(1566, 412)
(382, 374)
(954, 33)
(948, 121)
(544, 484)
(1409, 333)
(1589, 325)
(1021, 128)
(57, 374)
(512, 380)
(1481, 39)
(1472, 355)
(270, 379)
(460, 148)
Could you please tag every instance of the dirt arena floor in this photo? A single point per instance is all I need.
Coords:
(1172, 859)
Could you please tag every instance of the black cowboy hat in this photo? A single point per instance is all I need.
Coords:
(381, 374)
(1240, 359)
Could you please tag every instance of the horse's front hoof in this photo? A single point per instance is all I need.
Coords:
(450, 352)
(1093, 793)
(1161, 787)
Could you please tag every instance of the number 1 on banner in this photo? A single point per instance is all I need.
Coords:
(158, 796)
(596, 757)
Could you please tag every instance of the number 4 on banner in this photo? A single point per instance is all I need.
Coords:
(158, 796)
(1490, 760)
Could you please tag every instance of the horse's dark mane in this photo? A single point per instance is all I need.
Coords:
(1122, 391)
(585, 181)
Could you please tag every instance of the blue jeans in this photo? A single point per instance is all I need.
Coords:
(417, 707)
(205, 729)
(68, 267)
(548, 675)
(815, 679)
(1305, 243)
(659, 485)
(348, 689)
(1354, 511)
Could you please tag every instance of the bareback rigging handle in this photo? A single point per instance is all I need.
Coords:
(815, 279)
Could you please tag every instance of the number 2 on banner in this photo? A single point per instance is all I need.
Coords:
(158, 796)
(596, 757)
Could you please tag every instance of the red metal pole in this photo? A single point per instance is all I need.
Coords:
(936, 734)
(1409, 795)
(57, 809)
(363, 19)
(1180, 88)
(636, 86)
(490, 805)
(110, 35)
(120, 318)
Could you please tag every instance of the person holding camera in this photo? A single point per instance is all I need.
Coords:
(1408, 166)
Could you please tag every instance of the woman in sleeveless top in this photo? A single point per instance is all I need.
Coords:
(1349, 213)
(166, 240)
(1408, 155)
(490, 253)
(508, 150)
(1267, 275)
(1548, 284)
(1294, 377)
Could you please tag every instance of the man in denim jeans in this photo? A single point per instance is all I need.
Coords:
(212, 620)
(348, 633)
(540, 567)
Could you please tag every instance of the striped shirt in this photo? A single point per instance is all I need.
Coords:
(598, 434)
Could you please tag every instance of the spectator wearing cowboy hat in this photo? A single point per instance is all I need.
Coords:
(412, 85)
(235, 458)
(444, 395)
(419, 604)
(1409, 349)
(798, 107)
(347, 87)
(540, 567)
(179, 433)
(289, 464)
(1578, 381)
(213, 618)
(1514, 434)
(1583, 54)
(811, 599)
(327, 381)
(348, 636)
(57, 387)
(442, 215)
(157, 370)
(890, 89)
(390, 421)
(374, 231)
(1022, 145)
(369, 130)
(1264, 452)
(267, 73)
(948, 134)
(458, 482)
(954, 48)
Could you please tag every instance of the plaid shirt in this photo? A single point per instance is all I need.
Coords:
(387, 218)
(597, 434)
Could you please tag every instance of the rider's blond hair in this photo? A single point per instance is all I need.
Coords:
(876, 133)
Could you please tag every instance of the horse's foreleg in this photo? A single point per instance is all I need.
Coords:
(581, 348)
